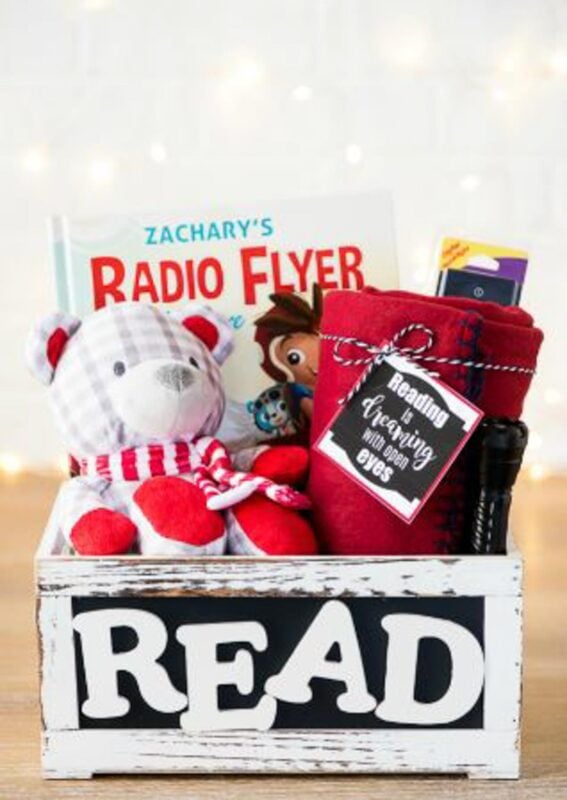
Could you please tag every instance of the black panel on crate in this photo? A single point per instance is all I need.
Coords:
(286, 621)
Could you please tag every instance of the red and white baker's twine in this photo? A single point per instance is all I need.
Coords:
(377, 355)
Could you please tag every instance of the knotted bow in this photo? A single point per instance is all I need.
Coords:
(376, 354)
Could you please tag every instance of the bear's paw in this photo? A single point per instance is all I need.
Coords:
(103, 532)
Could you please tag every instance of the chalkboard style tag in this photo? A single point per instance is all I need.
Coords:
(399, 434)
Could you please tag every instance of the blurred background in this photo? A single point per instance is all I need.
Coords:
(458, 106)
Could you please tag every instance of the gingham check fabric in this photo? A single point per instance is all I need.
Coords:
(131, 333)
(37, 350)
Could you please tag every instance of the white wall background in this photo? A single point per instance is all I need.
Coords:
(460, 106)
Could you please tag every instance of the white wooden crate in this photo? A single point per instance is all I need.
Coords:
(489, 749)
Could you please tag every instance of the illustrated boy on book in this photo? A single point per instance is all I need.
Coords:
(288, 334)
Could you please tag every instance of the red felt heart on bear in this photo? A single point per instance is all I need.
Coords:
(177, 509)
(103, 532)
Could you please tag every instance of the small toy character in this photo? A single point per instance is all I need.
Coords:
(289, 337)
(271, 411)
(138, 397)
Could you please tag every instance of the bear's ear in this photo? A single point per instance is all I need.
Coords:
(46, 343)
(211, 328)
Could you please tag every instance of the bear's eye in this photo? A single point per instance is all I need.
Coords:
(282, 406)
(194, 363)
(119, 368)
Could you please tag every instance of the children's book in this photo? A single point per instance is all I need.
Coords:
(266, 267)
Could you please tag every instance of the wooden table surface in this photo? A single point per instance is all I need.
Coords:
(540, 515)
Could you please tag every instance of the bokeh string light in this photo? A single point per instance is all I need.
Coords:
(11, 465)
(353, 154)
(470, 183)
(158, 152)
(35, 159)
(101, 171)
(302, 93)
(557, 62)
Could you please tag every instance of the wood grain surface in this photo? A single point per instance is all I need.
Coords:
(540, 523)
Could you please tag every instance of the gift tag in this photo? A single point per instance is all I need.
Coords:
(399, 434)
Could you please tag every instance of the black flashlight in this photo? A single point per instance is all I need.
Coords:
(501, 445)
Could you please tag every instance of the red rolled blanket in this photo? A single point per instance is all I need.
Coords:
(348, 519)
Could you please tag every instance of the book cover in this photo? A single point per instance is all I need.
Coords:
(266, 267)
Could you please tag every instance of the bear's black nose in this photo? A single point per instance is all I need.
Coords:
(175, 376)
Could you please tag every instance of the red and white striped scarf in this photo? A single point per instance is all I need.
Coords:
(206, 458)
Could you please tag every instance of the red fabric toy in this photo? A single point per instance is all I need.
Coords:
(138, 396)
(348, 519)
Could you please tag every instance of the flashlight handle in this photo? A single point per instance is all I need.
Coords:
(500, 445)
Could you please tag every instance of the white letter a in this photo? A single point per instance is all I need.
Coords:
(333, 624)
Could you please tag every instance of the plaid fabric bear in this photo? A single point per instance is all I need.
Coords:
(137, 395)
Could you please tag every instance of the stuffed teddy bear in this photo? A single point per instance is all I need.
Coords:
(137, 395)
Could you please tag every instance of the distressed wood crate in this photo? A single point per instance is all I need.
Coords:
(290, 599)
